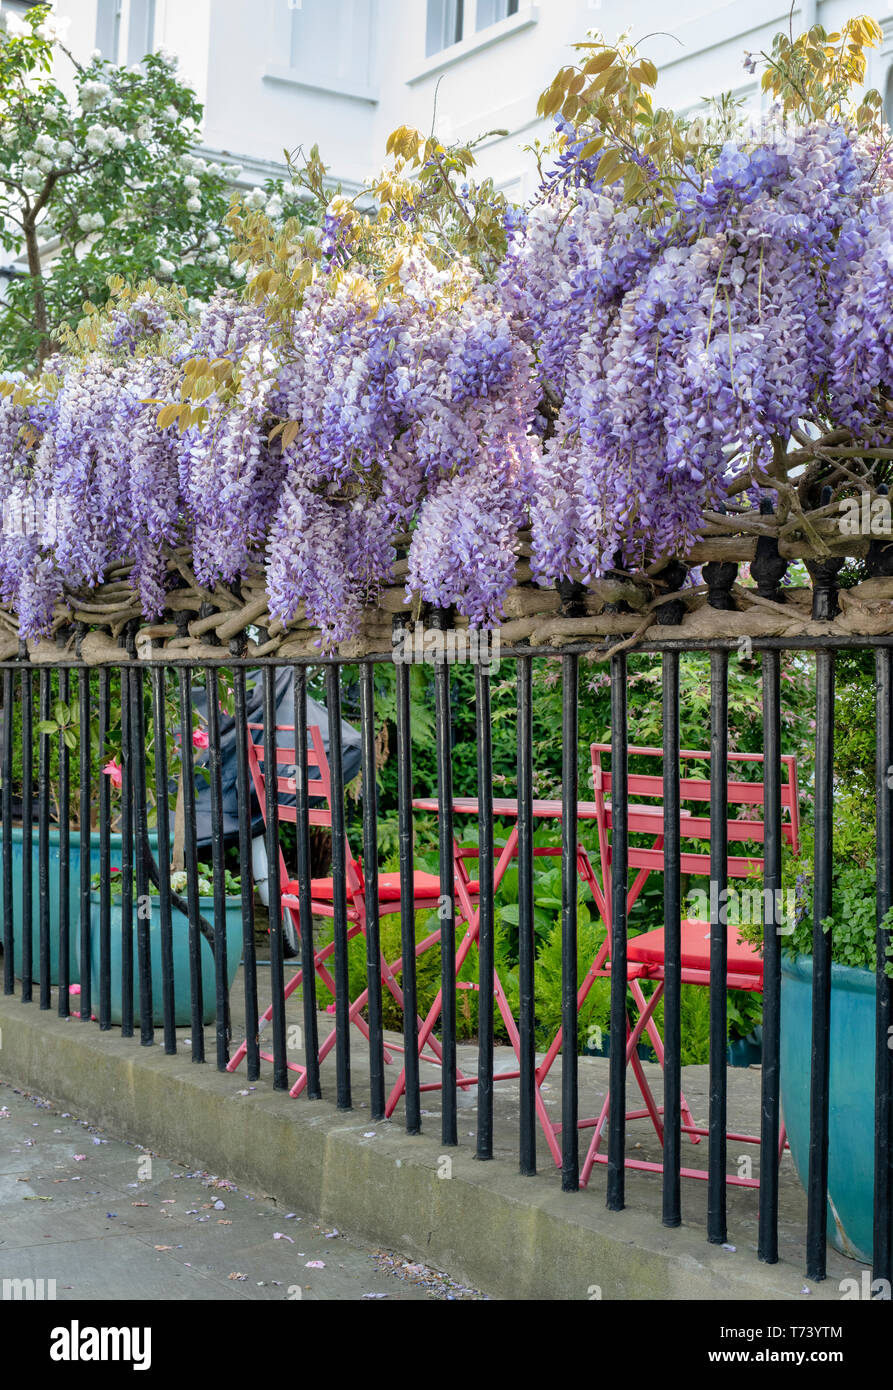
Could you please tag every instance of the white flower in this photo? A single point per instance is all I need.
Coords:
(116, 104)
(16, 28)
(212, 241)
(97, 139)
(64, 150)
(256, 198)
(30, 157)
(240, 271)
(118, 138)
(222, 258)
(91, 221)
(45, 144)
(92, 93)
(32, 178)
(45, 164)
(194, 306)
(53, 27)
(232, 171)
(274, 206)
(216, 169)
(144, 131)
(191, 182)
(193, 204)
(170, 113)
(168, 57)
(51, 110)
(165, 268)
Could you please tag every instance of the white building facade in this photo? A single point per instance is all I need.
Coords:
(277, 75)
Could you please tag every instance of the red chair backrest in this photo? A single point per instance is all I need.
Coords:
(651, 785)
(319, 778)
(319, 786)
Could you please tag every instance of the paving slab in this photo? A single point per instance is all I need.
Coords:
(97, 1218)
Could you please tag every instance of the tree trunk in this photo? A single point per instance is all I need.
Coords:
(39, 298)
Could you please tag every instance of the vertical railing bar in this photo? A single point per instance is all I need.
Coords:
(162, 822)
(27, 833)
(84, 713)
(63, 1003)
(339, 902)
(486, 918)
(817, 1182)
(105, 858)
(141, 851)
(190, 864)
(672, 1157)
(370, 876)
(526, 941)
(127, 860)
(449, 1120)
(882, 1258)
(407, 900)
(221, 975)
(249, 952)
(717, 1232)
(43, 841)
(570, 1135)
(615, 1197)
(8, 899)
(770, 1081)
(271, 797)
(302, 826)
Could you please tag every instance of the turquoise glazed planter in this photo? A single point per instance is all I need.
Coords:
(180, 931)
(74, 897)
(851, 1094)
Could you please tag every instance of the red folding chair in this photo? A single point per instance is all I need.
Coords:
(645, 952)
(426, 890)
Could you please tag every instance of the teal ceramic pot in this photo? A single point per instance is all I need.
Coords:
(180, 931)
(851, 1094)
(74, 897)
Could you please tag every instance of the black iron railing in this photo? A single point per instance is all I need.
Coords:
(143, 691)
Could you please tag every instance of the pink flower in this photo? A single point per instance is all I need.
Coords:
(200, 739)
(113, 770)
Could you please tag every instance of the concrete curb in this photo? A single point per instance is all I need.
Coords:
(512, 1237)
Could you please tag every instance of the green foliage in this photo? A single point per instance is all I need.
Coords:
(607, 96)
(63, 727)
(106, 181)
(853, 919)
(813, 76)
(232, 884)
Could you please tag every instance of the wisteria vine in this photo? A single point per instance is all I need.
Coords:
(607, 384)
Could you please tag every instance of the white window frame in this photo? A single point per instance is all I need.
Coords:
(114, 12)
(144, 14)
(474, 4)
(305, 78)
(476, 39)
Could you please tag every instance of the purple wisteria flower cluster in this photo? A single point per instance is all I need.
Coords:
(670, 355)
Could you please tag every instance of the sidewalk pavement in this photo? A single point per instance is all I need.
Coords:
(107, 1219)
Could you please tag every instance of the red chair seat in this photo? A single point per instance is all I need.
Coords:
(424, 885)
(648, 949)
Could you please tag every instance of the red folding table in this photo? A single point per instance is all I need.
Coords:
(504, 808)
